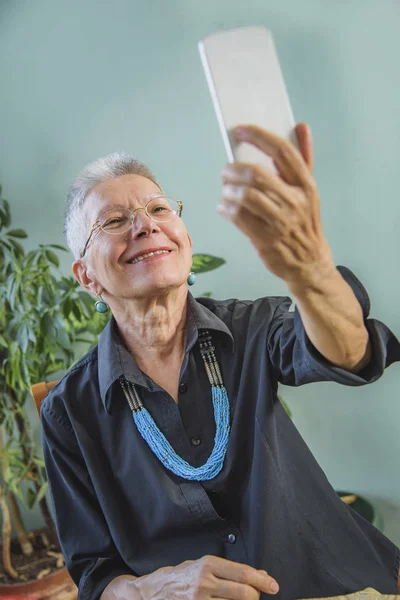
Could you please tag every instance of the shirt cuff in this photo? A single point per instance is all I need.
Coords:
(93, 584)
(385, 347)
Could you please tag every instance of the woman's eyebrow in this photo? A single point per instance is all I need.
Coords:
(143, 201)
(110, 207)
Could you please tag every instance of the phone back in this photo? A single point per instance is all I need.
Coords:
(246, 86)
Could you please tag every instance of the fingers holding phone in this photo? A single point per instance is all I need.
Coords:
(280, 213)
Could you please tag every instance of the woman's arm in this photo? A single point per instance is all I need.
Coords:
(121, 588)
(333, 319)
(280, 213)
(87, 545)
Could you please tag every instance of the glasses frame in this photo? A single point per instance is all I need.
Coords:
(96, 227)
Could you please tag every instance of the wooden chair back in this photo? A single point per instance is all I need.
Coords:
(40, 390)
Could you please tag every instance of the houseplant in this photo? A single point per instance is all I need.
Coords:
(44, 317)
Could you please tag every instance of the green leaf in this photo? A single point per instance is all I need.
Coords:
(25, 371)
(77, 312)
(46, 326)
(58, 247)
(39, 462)
(201, 263)
(17, 233)
(42, 491)
(17, 491)
(206, 295)
(11, 290)
(45, 297)
(54, 367)
(5, 216)
(84, 341)
(31, 497)
(19, 251)
(53, 258)
(16, 462)
(6, 473)
(63, 285)
(66, 307)
(32, 334)
(9, 425)
(23, 338)
(61, 333)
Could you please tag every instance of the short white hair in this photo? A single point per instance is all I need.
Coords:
(109, 167)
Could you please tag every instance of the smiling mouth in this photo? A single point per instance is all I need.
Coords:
(143, 257)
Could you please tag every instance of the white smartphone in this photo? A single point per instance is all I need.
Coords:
(246, 85)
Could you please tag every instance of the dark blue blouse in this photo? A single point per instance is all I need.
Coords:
(118, 510)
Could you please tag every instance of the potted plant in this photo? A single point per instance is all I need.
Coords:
(44, 318)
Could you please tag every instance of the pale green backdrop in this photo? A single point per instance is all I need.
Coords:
(81, 78)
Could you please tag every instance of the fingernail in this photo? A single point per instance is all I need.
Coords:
(226, 209)
(233, 192)
(274, 587)
(239, 132)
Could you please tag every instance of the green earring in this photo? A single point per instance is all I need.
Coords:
(101, 306)
(192, 278)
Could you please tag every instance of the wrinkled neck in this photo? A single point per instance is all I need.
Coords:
(154, 327)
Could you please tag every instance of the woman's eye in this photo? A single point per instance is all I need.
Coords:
(114, 221)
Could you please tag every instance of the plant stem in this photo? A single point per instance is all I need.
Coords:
(48, 520)
(27, 441)
(6, 535)
(22, 535)
(6, 529)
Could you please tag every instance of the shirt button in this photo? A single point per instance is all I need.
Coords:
(196, 441)
(231, 538)
(183, 388)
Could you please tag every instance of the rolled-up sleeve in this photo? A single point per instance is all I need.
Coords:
(90, 554)
(296, 361)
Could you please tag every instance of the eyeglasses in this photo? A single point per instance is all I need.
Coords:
(118, 220)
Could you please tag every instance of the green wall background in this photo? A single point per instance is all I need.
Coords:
(82, 78)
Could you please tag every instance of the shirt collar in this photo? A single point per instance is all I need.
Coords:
(114, 360)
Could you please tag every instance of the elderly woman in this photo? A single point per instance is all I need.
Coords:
(174, 470)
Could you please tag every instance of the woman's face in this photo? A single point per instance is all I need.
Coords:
(107, 266)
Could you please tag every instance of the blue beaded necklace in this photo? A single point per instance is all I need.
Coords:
(158, 442)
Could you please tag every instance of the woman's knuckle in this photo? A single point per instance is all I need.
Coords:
(244, 574)
(249, 194)
(310, 186)
(258, 175)
(285, 149)
(206, 563)
(249, 593)
(254, 595)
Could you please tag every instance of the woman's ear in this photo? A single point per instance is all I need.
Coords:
(84, 278)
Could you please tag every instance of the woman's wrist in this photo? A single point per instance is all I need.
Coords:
(121, 588)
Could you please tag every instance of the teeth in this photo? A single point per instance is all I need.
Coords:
(143, 256)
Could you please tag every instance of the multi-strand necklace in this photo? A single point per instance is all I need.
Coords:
(159, 444)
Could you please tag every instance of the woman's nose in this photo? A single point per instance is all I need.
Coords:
(142, 224)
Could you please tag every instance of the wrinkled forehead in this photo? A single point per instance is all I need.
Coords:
(130, 191)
